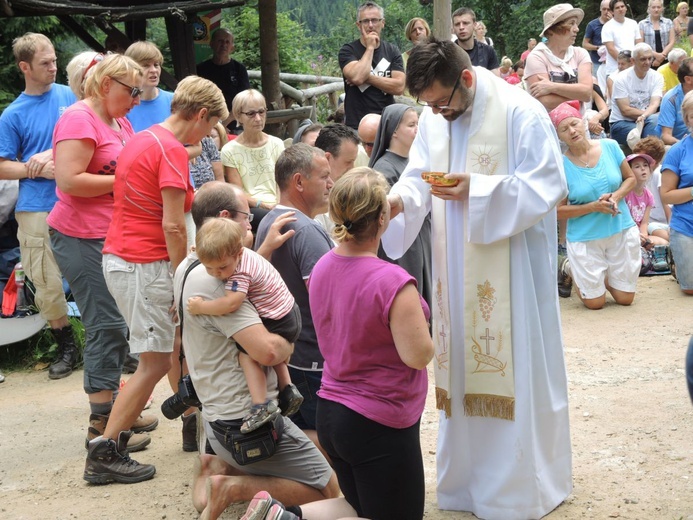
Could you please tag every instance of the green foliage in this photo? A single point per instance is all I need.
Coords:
(38, 351)
(11, 80)
(292, 40)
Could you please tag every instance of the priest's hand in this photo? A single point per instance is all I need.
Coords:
(458, 192)
(396, 205)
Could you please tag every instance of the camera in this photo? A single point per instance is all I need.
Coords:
(174, 406)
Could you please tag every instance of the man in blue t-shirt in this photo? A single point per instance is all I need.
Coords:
(155, 104)
(304, 181)
(593, 34)
(26, 132)
(671, 126)
(373, 69)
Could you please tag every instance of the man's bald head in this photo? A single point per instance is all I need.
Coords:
(213, 198)
(368, 129)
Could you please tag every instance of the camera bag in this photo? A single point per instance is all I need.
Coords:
(247, 448)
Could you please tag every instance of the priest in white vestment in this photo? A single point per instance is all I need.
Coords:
(504, 445)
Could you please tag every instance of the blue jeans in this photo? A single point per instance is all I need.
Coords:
(682, 251)
(308, 383)
(689, 368)
(620, 129)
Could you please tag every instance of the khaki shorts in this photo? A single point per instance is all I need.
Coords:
(616, 258)
(144, 295)
(296, 458)
(40, 265)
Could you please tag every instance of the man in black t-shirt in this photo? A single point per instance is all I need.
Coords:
(373, 70)
(481, 55)
(228, 74)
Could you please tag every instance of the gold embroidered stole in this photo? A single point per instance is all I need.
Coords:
(489, 380)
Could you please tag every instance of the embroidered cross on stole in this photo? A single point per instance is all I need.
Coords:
(489, 380)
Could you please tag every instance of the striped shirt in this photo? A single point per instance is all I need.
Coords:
(263, 284)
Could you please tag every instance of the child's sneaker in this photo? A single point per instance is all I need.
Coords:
(290, 400)
(259, 414)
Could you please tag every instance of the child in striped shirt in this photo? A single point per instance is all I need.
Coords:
(219, 247)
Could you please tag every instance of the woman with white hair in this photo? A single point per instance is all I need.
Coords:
(249, 160)
(669, 71)
(658, 32)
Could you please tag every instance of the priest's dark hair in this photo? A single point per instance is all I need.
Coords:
(435, 60)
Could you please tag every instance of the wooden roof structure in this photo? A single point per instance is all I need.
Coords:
(135, 13)
(112, 10)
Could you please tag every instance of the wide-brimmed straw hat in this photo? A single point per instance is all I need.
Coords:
(558, 13)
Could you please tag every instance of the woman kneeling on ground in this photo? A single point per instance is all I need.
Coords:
(603, 242)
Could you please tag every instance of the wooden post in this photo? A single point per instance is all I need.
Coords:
(442, 23)
(269, 54)
(180, 38)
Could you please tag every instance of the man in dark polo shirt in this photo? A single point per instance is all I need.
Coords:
(227, 74)
(482, 55)
(373, 70)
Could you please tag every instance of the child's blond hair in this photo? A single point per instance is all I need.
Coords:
(217, 239)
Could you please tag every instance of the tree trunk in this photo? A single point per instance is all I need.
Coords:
(442, 24)
(269, 53)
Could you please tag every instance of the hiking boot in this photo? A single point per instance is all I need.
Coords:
(189, 432)
(290, 400)
(565, 281)
(68, 353)
(97, 425)
(259, 414)
(108, 461)
(144, 423)
(131, 364)
(660, 263)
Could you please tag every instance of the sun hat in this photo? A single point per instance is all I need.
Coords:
(558, 13)
(649, 159)
(635, 135)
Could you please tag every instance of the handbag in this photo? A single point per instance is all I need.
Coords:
(248, 448)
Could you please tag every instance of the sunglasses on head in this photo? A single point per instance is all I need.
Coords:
(98, 58)
(134, 91)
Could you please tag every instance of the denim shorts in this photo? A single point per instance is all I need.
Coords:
(144, 294)
(682, 250)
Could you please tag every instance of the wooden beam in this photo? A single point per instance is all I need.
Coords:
(81, 32)
(180, 39)
(180, 8)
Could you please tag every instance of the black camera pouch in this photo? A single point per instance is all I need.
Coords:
(247, 448)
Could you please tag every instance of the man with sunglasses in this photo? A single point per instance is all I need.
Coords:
(504, 444)
(373, 70)
(26, 130)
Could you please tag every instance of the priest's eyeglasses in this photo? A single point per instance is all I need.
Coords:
(134, 91)
(445, 105)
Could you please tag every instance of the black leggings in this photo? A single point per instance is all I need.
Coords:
(380, 469)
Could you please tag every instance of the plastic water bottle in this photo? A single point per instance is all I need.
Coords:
(22, 304)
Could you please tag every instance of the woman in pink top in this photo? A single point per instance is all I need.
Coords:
(87, 141)
(372, 330)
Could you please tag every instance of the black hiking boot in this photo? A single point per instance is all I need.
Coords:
(189, 432)
(68, 353)
(108, 461)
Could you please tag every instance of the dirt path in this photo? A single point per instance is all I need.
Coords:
(631, 425)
